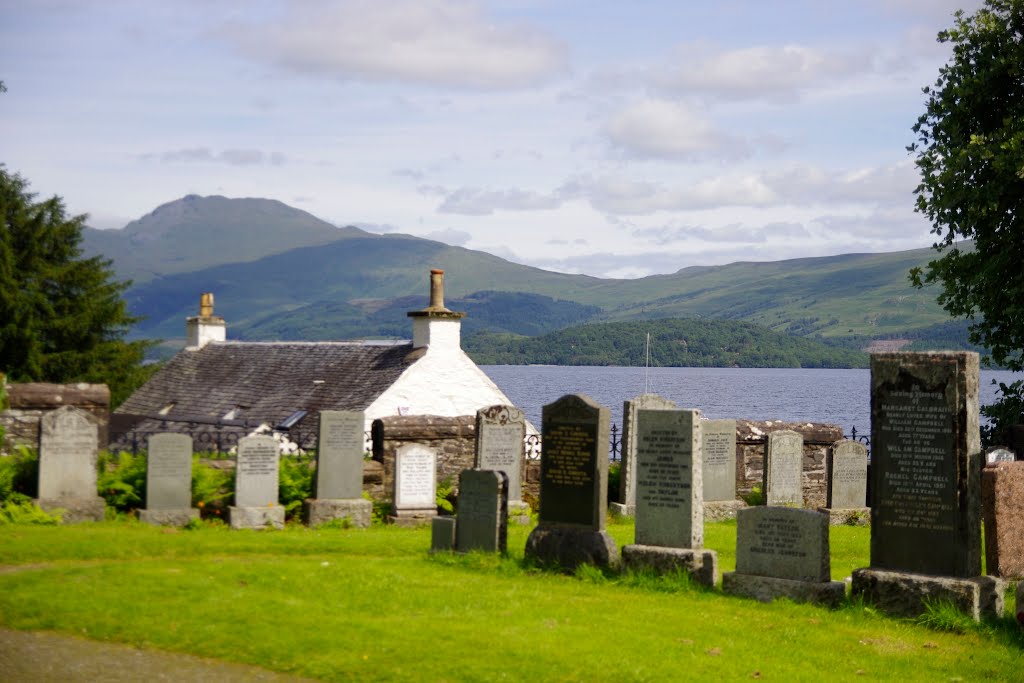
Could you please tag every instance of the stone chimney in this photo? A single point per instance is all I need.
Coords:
(436, 326)
(206, 327)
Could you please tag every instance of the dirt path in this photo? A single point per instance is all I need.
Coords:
(43, 657)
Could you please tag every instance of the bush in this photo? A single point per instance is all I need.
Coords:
(614, 477)
(295, 482)
(19, 509)
(19, 474)
(212, 488)
(121, 479)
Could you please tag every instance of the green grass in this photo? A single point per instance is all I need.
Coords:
(374, 605)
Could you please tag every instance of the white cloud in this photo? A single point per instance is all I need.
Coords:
(620, 195)
(658, 129)
(232, 157)
(456, 238)
(472, 201)
(433, 42)
(732, 233)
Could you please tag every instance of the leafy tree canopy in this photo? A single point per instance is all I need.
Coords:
(62, 318)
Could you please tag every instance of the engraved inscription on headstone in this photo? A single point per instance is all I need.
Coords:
(783, 543)
(627, 468)
(339, 463)
(483, 511)
(783, 468)
(500, 434)
(847, 472)
(256, 472)
(169, 472)
(415, 478)
(669, 510)
(999, 454)
(718, 455)
(68, 445)
(574, 462)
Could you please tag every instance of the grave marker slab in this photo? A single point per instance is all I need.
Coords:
(256, 485)
(1002, 495)
(999, 454)
(627, 449)
(500, 446)
(169, 481)
(482, 519)
(846, 483)
(339, 470)
(442, 534)
(415, 485)
(68, 451)
(718, 453)
(783, 468)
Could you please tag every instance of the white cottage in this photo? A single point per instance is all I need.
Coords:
(287, 383)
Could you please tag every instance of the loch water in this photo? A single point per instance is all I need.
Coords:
(793, 394)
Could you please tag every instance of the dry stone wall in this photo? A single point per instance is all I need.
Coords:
(454, 439)
(30, 401)
(751, 436)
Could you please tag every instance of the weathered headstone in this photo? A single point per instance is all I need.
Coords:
(68, 450)
(169, 481)
(783, 552)
(339, 470)
(783, 469)
(256, 485)
(718, 453)
(415, 494)
(1002, 502)
(442, 534)
(626, 506)
(669, 491)
(999, 454)
(500, 446)
(925, 497)
(573, 486)
(482, 519)
(846, 483)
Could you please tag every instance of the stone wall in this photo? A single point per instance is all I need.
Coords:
(30, 401)
(751, 436)
(454, 439)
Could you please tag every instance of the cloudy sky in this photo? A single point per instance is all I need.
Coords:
(610, 138)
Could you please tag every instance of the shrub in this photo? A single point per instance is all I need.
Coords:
(19, 473)
(19, 509)
(212, 488)
(614, 477)
(445, 496)
(122, 479)
(295, 480)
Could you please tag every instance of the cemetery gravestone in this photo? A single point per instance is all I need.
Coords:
(669, 490)
(783, 469)
(846, 482)
(68, 450)
(1002, 498)
(573, 486)
(482, 520)
(415, 493)
(256, 484)
(999, 454)
(718, 455)
(627, 449)
(339, 470)
(442, 534)
(169, 481)
(925, 497)
(500, 446)
(783, 552)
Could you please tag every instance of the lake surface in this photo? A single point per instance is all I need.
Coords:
(797, 395)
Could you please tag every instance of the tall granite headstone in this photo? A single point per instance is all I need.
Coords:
(256, 485)
(482, 519)
(573, 486)
(68, 451)
(669, 491)
(169, 481)
(783, 552)
(783, 469)
(718, 454)
(339, 470)
(846, 483)
(925, 489)
(415, 494)
(500, 446)
(1002, 502)
(627, 449)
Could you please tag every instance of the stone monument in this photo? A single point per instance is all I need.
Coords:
(846, 483)
(999, 454)
(783, 553)
(626, 506)
(573, 486)
(718, 454)
(68, 449)
(500, 446)
(339, 470)
(482, 519)
(925, 497)
(783, 469)
(442, 534)
(169, 481)
(414, 497)
(256, 483)
(669, 492)
(1002, 502)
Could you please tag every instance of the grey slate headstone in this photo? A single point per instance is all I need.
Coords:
(68, 450)
(500, 444)
(925, 469)
(574, 462)
(256, 473)
(783, 543)
(718, 456)
(482, 519)
(783, 468)
(846, 471)
(627, 449)
(339, 456)
(169, 472)
(669, 506)
(415, 478)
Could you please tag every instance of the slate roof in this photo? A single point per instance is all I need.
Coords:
(269, 381)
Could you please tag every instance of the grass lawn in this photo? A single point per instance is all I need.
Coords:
(375, 605)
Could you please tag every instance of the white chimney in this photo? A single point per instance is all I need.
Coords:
(435, 326)
(206, 327)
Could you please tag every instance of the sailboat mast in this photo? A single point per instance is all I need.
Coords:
(647, 366)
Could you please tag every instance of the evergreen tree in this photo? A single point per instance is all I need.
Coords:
(62, 318)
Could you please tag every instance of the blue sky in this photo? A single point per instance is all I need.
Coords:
(613, 139)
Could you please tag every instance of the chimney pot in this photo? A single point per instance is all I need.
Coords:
(206, 304)
(437, 290)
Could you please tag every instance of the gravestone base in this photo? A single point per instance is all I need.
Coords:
(700, 564)
(442, 534)
(265, 517)
(904, 594)
(720, 510)
(412, 518)
(169, 517)
(619, 510)
(358, 511)
(518, 512)
(767, 588)
(848, 516)
(76, 509)
(569, 547)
